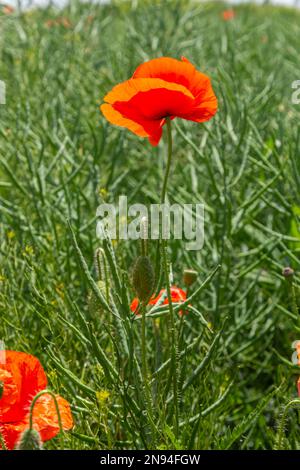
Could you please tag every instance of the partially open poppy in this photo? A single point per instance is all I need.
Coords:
(178, 295)
(22, 377)
(158, 89)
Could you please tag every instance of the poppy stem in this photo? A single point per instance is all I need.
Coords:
(147, 387)
(162, 200)
(174, 348)
(168, 166)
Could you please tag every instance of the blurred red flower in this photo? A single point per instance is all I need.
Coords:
(7, 9)
(178, 295)
(158, 89)
(228, 15)
(23, 376)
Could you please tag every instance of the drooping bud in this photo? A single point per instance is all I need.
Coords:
(30, 440)
(288, 272)
(143, 278)
(189, 277)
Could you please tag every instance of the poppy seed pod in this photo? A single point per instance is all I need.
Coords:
(94, 304)
(288, 272)
(30, 440)
(143, 278)
(189, 277)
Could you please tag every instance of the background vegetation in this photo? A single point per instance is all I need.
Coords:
(59, 159)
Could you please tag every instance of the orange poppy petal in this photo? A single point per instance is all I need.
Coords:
(23, 377)
(113, 116)
(45, 421)
(175, 71)
(126, 90)
(11, 432)
(144, 113)
(177, 295)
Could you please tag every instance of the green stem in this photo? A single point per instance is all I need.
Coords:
(2, 443)
(147, 387)
(174, 348)
(167, 171)
(174, 365)
(144, 357)
(162, 200)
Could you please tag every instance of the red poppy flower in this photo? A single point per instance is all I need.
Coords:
(158, 89)
(228, 15)
(23, 377)
(178, 295)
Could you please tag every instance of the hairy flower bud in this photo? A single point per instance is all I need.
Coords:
(143, 278)
(94, 303)
(189, 277)
(288, 272)
(30, 440)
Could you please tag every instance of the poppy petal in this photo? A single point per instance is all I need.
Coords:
(177, 295)
(45, 421)
(172, 70)
(23, 377)
(141, 106)
(126, 90)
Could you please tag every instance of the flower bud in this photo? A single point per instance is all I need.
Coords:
(288, 272)
(143, 278)
(94, 304)
(189, 277)
(30, 440)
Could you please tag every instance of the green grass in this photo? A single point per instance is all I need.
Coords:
(59, 159)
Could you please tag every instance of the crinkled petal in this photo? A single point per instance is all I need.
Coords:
(45, 421)
(175, 71)
(23, 377)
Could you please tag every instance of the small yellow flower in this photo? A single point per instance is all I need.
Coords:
(2, 278)
(103, 193)
(28, 250)
(102, 396)
(11, 234)
(59, 289)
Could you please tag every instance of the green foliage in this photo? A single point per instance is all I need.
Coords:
(59, 159)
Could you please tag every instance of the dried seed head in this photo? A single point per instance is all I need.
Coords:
(189, 277)
(30, 440)
(288, 272)
(143, 278)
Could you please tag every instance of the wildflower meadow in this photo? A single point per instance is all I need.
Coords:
(150, 227)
